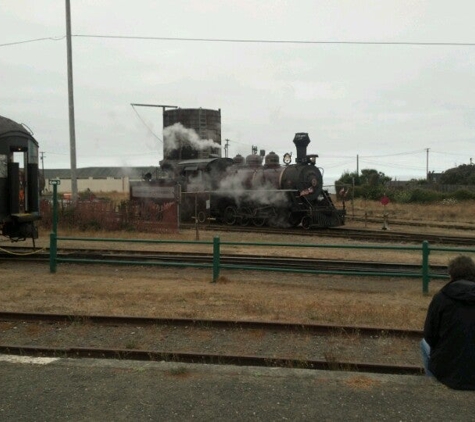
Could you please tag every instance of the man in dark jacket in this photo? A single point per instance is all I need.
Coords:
(448, 346)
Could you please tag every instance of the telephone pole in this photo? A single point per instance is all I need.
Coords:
(427, 163)
(43, 169)
(72, 130)
(43, 164)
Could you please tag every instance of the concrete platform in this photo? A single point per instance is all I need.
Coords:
(45, 389)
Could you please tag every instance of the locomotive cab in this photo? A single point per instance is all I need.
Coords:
(19, 181)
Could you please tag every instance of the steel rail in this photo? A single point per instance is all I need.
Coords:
(230, 260)
(354, 234)
(404, 222)
(214, 359)
(362, 330)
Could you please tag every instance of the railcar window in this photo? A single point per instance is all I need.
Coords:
(21, 159)
(32, 153)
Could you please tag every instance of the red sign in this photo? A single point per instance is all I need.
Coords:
(385, 200)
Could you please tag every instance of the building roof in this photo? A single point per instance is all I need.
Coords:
(100, 172)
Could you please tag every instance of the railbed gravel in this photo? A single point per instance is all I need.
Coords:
(259, 342)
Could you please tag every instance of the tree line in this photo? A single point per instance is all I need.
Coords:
(374, 184)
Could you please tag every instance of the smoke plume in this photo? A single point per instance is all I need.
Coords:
(177, 135)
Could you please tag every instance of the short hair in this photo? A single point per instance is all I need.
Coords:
(461, 267)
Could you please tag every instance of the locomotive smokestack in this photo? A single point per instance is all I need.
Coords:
(301, 141)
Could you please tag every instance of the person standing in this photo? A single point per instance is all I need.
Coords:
(448, 346)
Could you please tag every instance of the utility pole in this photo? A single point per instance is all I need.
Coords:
(72, 130)
(43, 166)
(357, 165)
(427, 163)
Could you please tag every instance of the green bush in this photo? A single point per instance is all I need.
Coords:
(401, 196)
(374, 193)
(424, 196)
(462, 195)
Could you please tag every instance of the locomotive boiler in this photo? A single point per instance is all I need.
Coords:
(19, 181)
(280, 195)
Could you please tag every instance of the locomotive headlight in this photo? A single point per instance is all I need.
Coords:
(320, 197)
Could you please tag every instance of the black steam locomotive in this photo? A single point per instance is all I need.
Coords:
(248, 191)
(19, 183)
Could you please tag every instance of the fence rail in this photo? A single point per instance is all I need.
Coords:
(424, 274)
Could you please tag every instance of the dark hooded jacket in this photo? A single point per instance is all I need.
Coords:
(450, 332)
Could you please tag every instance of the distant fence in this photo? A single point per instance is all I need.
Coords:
(449, 188)
(111, 215)
(430, 186)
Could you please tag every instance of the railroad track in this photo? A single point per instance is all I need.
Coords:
(226, 260)
(354, 234)
(365, 235)
(310, 346)
(404, 222)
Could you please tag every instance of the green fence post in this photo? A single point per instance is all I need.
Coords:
(53, 237)
(425, 267)
(216, 258)
(52, 252)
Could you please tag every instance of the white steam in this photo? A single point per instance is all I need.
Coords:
(242, 186)
(177, 136)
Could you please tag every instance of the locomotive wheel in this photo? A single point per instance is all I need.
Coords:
(306, 221)
(258, 221)
(230, 215)
(294, 220)
(277, 220)
(245, 219)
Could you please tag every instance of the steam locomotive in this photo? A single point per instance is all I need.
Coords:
(247, 191)
(19, 182)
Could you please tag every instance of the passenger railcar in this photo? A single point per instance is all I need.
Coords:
(19, 181)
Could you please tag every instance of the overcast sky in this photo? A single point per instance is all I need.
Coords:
(386, 102)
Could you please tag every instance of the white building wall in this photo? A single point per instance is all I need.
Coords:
(95, 185)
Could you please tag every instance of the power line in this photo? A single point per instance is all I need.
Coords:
(34, 40)
(392, 165)
(339, 164)
(264, 41)
(145, 124)
(448, 153)
(393, 155)
(251, 41)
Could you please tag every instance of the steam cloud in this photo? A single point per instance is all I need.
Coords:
(237, 186)
(177, 135)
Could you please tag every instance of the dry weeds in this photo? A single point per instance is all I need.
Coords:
(362, 382)
(182, 293)
(446, 211)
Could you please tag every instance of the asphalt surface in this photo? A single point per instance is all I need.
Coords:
(35, 389)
